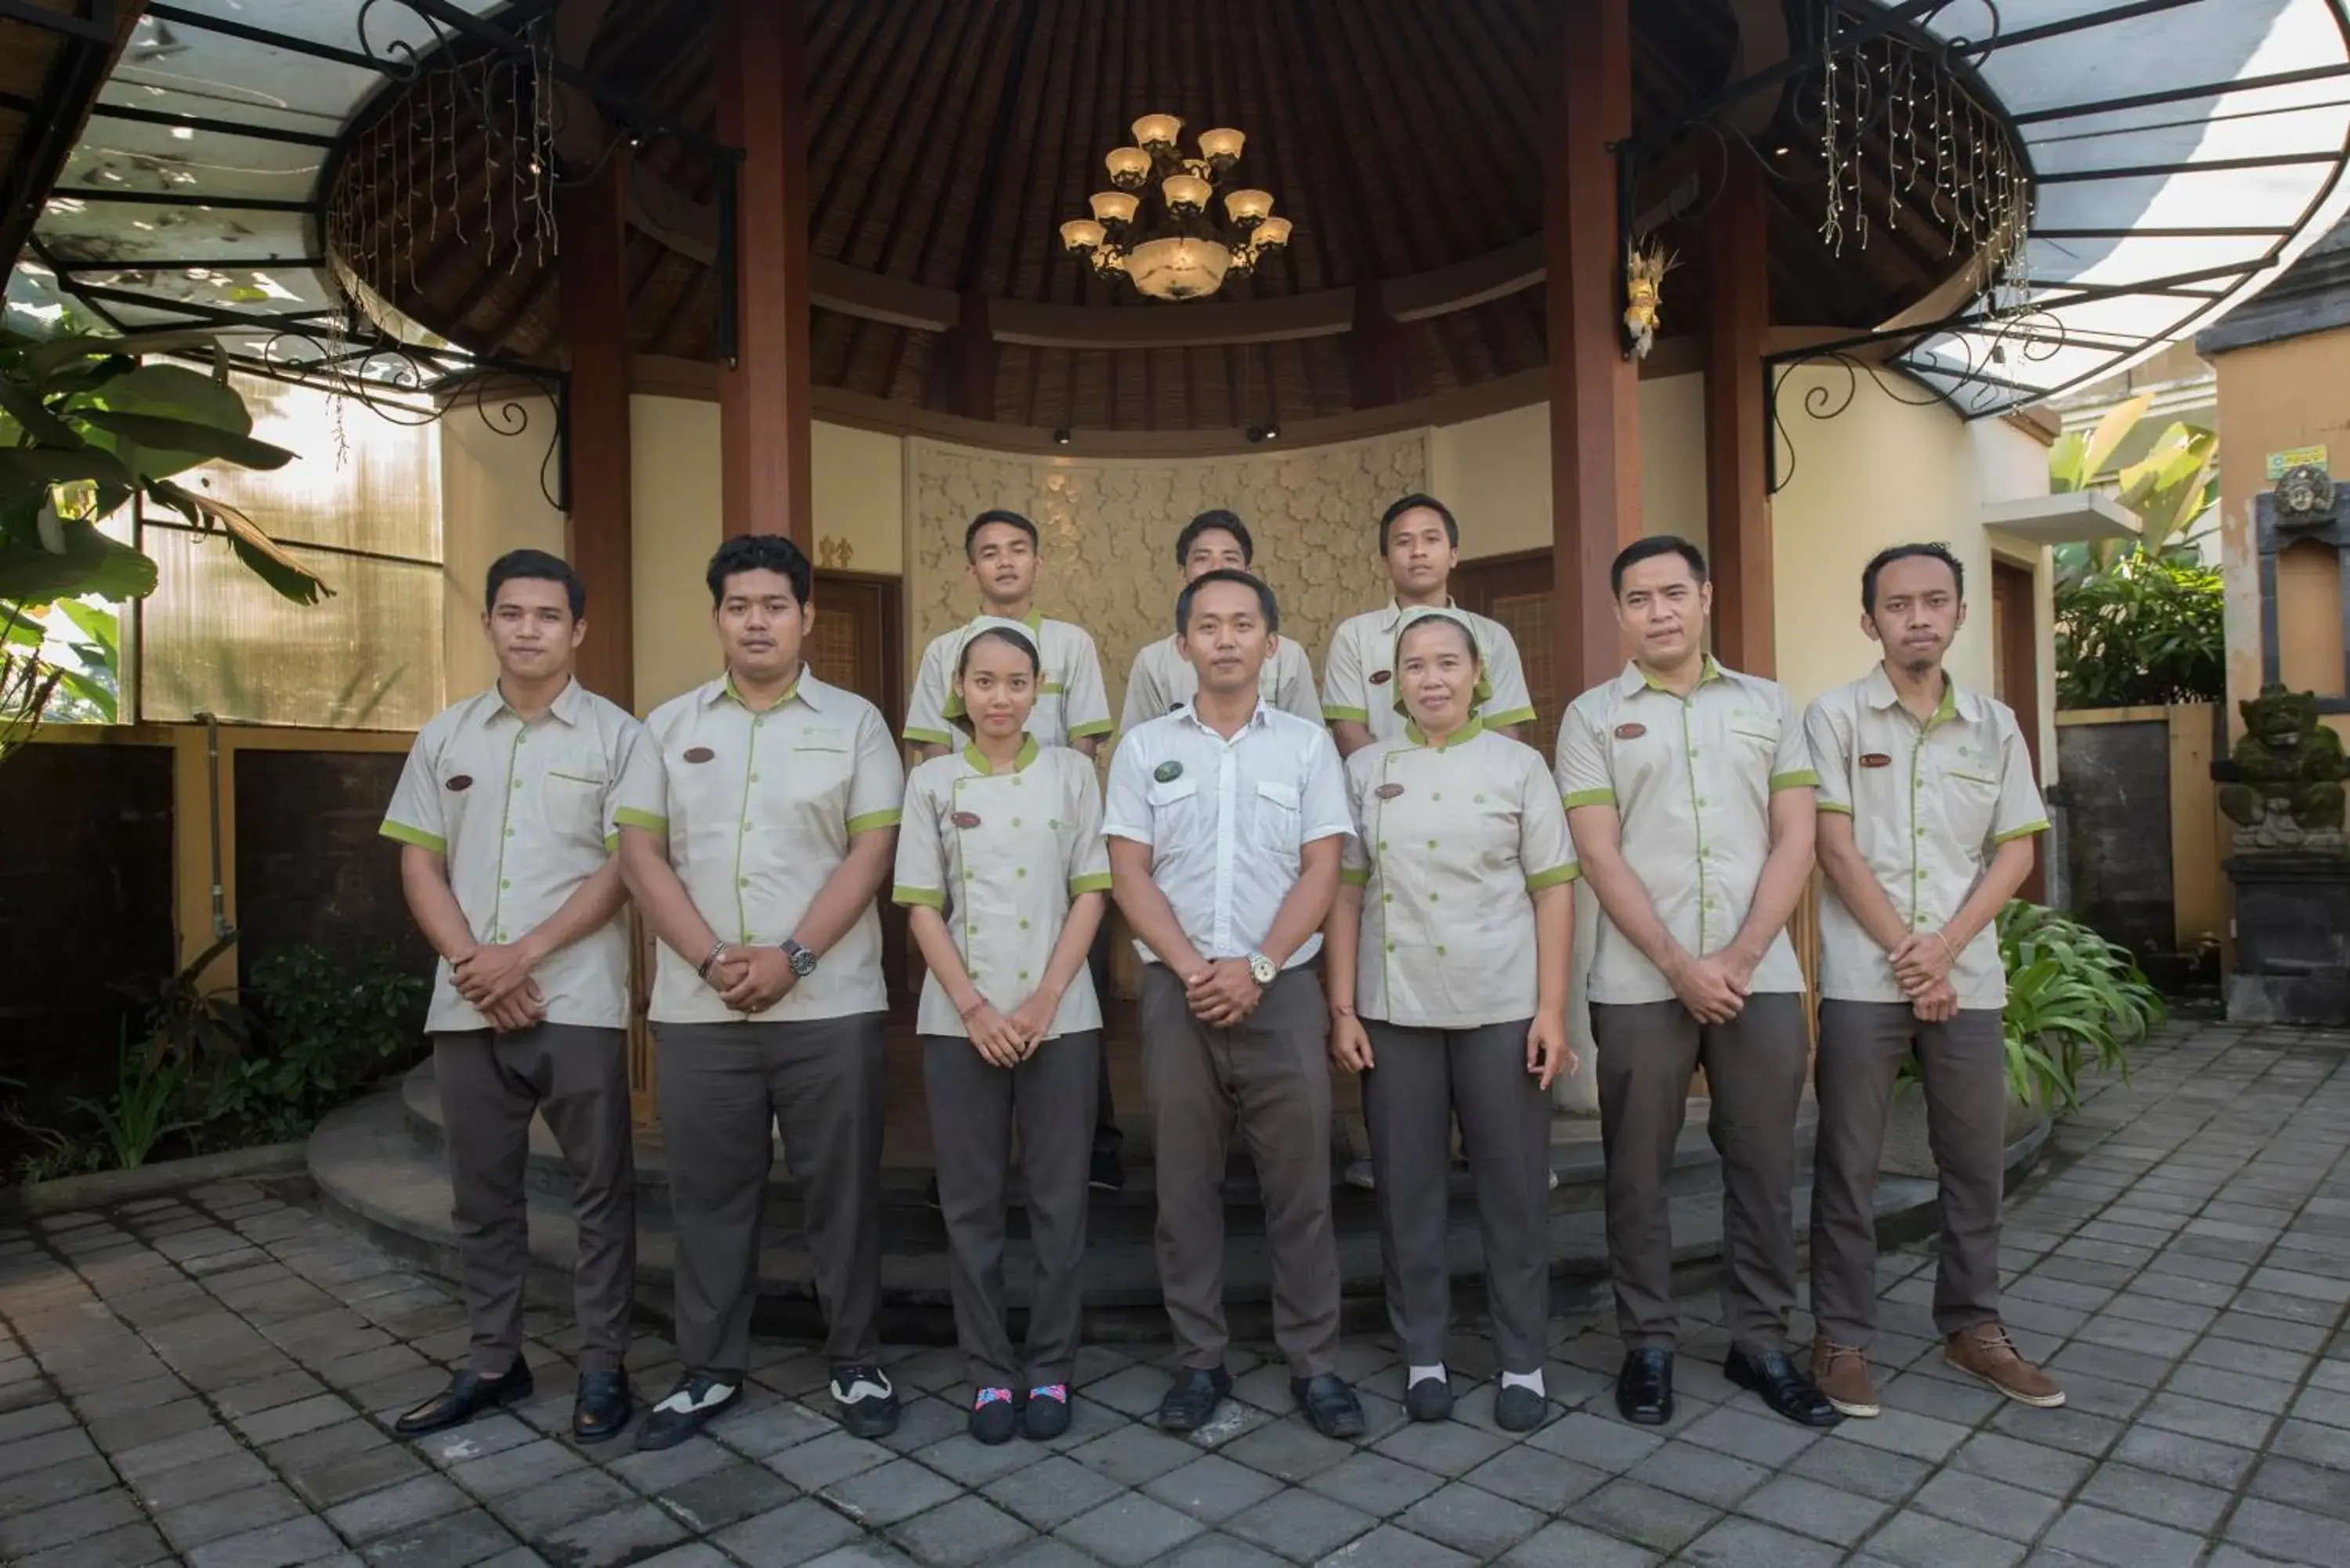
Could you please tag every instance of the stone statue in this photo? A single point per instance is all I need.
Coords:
(2285, 789)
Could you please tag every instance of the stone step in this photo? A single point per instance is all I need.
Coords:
(372, 1172)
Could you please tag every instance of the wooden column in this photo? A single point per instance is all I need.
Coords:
(764, 418)
(1737, 480)
(1594, 435)
(593, 225)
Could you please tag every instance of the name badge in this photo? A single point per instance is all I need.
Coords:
(462, 782)
(1381, 677)
(965, 819)
(1630, 732)
(698, 754)
(1875, 760)
(1388, 791)
(1168, 772)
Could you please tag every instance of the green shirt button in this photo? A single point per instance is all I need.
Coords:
(755, 778)
(1436, 794)
(509, 833)
(1478, 800)
(503, 882)
(501, 936)
(1392, 947)
(1431, 844)
(1440, 950)
(1024, 924)
(1387, 898)
(1020, 871)
(1431, 898)
(1023, 974)
(1016, 822)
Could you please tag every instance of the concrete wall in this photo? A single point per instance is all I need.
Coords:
(490, 502)
(2279, 395)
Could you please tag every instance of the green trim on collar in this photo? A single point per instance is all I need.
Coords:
(790, 692)
(1555, 876)
(2026, 831)
(1466, 733)
(1947, 707)
(401, 833)
(1803, 778)
(872, 820)
(1091, 882)
(1020, 758)
(1588, 798)
(918, 898)
(1034, 619)
(1708, 671)
(630, 816)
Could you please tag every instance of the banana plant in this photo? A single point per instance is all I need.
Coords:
(2171, 490)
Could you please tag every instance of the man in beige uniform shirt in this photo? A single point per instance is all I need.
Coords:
(1225, 823)
(1163, 680)
(1689, 794)
(530, 1002)
(1926, 817)
(756, 825)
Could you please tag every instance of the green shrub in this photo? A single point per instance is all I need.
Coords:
(2142, 633)
(2074, 999)
(325, 1032)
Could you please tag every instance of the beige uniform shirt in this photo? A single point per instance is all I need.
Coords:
(518, 812)
(1163, 681)
(1358, 678)
(758, 810)
(1451, 844)
(1072, 703)
(1929, 804)
(1002, 856)
(1691, 780)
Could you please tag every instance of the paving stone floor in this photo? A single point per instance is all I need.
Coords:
(206, 1378)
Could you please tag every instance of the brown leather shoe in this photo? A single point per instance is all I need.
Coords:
(1986, 1352)
(1841, 1371)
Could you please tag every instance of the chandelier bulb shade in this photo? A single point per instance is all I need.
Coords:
(1221, 146)
(1271, 234)
(1248, 208)
(1116, 207)
(1129, 167)
(1186, 193)
(1082, 235)
(1157, 132)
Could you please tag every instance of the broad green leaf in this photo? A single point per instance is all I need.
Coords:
(93, 564)
(255, 548)
(157, 448)
(2064, 463)
(27, 471)
(32, 417)
(101, 626)
(177, 392)
(95, 692)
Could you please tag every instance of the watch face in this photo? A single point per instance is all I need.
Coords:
(1261, 969)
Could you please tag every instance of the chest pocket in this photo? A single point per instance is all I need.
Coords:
(572, 797)
(1973, 799)
(1175, 805)
(814, 796)
(1275, 816)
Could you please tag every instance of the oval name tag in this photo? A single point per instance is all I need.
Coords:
(1168, 772)
(1875, 760)
(1381, 677)
(965, 819)
(1630, 732)
(462, 782)
(698, 754)
(1388, 791)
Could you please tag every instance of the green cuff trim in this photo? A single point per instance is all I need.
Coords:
(1514, 716)
(1839, 810)
(926, 898)
(1803, 779)
(1354, 876)
(1588, 798)
(1346, 715)
(1091, 882)
(871, 820)
(2026, 831)
(1091, 728)
(913, 736)
(612, 842)
(1554, 876)
(630, 816)
(416, 836)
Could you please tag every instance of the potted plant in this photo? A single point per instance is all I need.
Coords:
(2075, 1002)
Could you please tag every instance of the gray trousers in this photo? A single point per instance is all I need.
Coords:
(723, 1089)
(1963, 1064)
(974, 1107)
(490, 1084)
(1425, 1077)
(1270, 1078)
(1754, 1070)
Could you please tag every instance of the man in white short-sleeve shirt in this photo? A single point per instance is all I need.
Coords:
(1928, 813)
(758, 822)
(504, 858)
(1225, 822)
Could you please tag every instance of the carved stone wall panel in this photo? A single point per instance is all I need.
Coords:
(1109, 533)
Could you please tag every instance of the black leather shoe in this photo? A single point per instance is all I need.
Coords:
(1193, 1397)
(685, 1409)
(1429, 1399)
(1785, 1389)
(866, 1399)
(468, 1395)
(1107, 1171)
(602, 1407)
(1329, 1405)
(1517, 1408)
(1644, 1387)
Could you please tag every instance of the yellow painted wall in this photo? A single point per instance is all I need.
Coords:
(490, 504)
(2274, 396)
(1495, 472)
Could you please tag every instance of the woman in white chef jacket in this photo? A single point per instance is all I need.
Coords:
(1001, 867)
(1447, 971)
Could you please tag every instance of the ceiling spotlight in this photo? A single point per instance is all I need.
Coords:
(1060, 438)
(1272, 432)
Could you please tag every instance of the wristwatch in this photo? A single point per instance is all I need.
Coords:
(1262, 969)
(803, 961)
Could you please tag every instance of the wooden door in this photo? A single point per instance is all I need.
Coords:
(857, 644)
(2015, 681)
(1516, 590)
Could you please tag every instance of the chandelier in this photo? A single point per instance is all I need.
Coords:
(1185, 253)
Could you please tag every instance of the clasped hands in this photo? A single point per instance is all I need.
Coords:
(494, 980)
(1008, 1041)
(1922, 964)
(751, 979)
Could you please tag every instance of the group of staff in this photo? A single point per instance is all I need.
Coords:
(1393, 829)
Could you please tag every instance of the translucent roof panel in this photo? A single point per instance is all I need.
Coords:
(2184, 154)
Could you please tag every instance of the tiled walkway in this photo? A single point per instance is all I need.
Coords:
(206, 1378)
